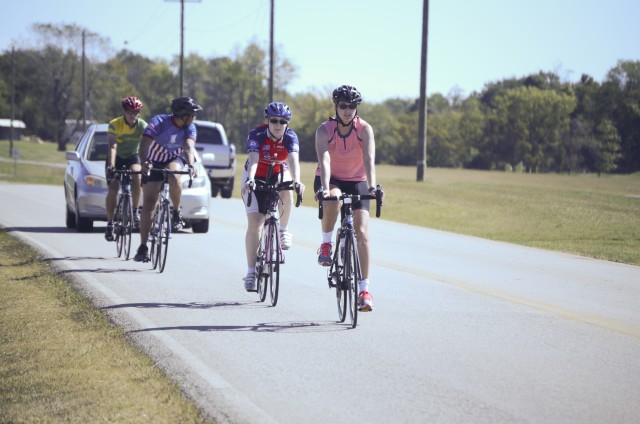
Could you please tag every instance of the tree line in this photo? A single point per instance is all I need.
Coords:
(536, 123)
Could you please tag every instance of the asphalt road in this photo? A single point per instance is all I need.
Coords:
(464, 330)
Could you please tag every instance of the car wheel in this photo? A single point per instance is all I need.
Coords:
(83, 225)
(214, 189)
(71, 219)
(227, 190)
(201, 226)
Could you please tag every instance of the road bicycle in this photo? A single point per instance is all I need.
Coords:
(344, 273)
(123, 224)
(160, 231)
(270, 255)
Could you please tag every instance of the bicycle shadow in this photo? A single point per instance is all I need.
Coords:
(192, 305)
(263, 327)
(47, 230)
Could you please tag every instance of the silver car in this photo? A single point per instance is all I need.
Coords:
(85, 186)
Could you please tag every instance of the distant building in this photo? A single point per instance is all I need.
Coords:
(5, 129)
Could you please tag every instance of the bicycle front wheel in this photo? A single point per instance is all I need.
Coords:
(273, 257)
(127, 226)
(352, 276)
(163, 236)
(153, 237)
(117, 226)
(261, 266)
(336, 275)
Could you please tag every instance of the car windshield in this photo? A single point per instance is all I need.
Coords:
(99, 147)
(208, 135)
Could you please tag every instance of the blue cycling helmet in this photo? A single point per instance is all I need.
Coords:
(278, 109)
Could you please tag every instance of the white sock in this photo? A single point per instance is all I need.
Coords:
(251, 270)
(364, 285)
(283, 228)
(327, 237)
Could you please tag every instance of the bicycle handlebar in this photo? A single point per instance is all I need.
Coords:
(355, 197)
(126, 171)
(166, 171)
(262, 186)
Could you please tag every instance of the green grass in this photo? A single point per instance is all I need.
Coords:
(583, 214)
(23, 172)
(62, 361)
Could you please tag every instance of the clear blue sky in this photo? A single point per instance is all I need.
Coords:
(372, 45)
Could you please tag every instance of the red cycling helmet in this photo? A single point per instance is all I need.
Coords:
(132, 103)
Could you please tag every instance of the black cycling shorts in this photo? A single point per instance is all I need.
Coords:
(349, 187)
(127, 162)
(158, 176)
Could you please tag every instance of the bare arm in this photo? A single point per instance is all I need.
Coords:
(113, 148)
(369, 155)
(145, 143)
(189, 149)
(324, 160)
(254, 157)
(294, 166)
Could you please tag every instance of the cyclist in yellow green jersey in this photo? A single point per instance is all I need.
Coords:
(124, 142)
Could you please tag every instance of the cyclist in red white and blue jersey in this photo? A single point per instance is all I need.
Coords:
(168, 142)
(271, 142)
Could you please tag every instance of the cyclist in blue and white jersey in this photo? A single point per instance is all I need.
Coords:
(162, 145)
(272, 141)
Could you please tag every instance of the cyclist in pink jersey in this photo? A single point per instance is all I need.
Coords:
(346, 151)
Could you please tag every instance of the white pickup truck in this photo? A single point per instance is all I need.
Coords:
(218, 157)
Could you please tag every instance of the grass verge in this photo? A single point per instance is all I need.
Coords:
(61, 360)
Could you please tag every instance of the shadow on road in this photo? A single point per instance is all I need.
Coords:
(264, 327)
(50, 230)
(193, 305)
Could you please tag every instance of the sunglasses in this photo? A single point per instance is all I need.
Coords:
(344, 106)
(131, 112)
(280, 121)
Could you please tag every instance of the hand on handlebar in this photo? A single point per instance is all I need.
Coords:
(193, 170)
(299, 188)
(109, 174)
(249, 185)
(321, 193)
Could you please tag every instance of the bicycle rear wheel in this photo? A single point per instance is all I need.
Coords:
(126, 226)
(163, 236)
(352, 276)
(261, 267)
(273, 258)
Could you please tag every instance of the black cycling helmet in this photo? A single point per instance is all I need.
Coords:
(277, 109)
(182, 106)
(348, 94)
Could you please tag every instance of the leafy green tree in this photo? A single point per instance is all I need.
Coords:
(621, 90)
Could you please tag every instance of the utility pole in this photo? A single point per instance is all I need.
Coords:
(422, 122)
(84, 85)
(271, 54)
(182, 41)
(13, 98)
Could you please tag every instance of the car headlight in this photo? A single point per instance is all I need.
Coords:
(95, 181)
